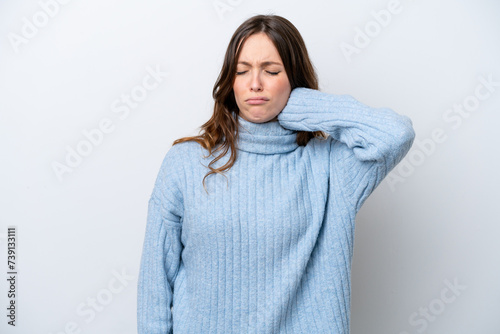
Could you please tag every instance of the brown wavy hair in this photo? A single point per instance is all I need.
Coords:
(221, 131)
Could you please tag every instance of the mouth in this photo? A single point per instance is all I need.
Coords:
(257, 100)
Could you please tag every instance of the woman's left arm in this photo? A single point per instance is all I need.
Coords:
(369, 142)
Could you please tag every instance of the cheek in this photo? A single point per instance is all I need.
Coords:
(283, 90)
(237, 89)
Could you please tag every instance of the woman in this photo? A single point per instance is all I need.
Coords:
(266, 245)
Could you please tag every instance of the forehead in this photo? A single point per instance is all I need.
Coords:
(259, 47)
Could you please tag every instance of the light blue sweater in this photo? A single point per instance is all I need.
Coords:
(269, 249)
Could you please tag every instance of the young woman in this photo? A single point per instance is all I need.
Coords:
(259, 238)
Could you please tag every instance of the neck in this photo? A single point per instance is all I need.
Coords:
(265, 138)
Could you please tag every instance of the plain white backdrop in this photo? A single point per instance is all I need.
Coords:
(93, 93)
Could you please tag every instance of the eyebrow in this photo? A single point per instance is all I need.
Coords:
(265, 63)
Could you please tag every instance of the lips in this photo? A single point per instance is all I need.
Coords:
(257, 100)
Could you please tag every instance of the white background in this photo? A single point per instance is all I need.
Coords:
(438, 223)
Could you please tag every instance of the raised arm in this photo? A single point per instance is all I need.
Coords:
(368, 142)
(161, 253)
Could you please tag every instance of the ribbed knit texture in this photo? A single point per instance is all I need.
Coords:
(269, 248)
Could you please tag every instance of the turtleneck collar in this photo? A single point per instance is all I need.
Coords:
(265, 138)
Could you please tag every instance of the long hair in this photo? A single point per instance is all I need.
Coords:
(220, 132)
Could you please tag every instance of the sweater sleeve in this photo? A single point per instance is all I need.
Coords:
(161, 254)
(367, 142)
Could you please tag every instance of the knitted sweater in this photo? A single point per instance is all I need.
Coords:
(269, 248)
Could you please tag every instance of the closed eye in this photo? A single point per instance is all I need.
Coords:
(271, 73)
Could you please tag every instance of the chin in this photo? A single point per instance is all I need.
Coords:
(255, 118)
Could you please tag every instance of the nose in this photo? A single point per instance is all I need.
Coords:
(256, 83)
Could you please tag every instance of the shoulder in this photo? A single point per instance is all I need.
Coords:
(320, 145)
(170, 175)
(178, 159)
(329, 148)
(317, 152)
(332, 153)
(181, 154)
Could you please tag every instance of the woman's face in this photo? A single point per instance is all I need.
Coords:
(261, 87)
